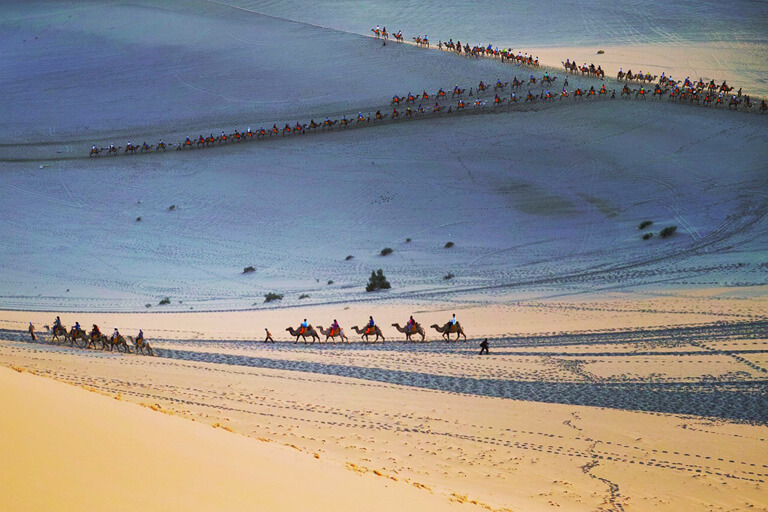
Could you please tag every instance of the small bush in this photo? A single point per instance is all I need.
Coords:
(645, 224)
(377, 281)
(303, 296)
(172, 207)
(165, 301)
(600, 52)
(386, 250)
(138, 219)
(272, 296)
(449, 245)
(647, 236)
(248, 269)
(407, 240)
(330, 282)
(147, 305)
(668, 231)
(348, 257)
(449, 275)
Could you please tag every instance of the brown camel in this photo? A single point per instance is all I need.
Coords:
(119, 343)
(408, 332)
(370, 331)
(449, 329)
(332, 334)
(310, 331)
(59, 331)
(75, 335)
(141, 345)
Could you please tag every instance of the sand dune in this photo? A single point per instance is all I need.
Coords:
(625, 373)
(133, 458)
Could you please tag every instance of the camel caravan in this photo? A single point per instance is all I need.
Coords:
(701, 92)
(372, 332)
(95, 339)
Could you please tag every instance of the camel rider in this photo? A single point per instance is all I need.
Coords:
(95, 332)
(140, 336)
(304, 326)
(335, 326)
(453, 321)
(371, 323)
(249, 132)
(360, 116)
(93, 148)
(343, 119)
(115, 334)
(57, 323)
(77, 327)
(327, 121)
(411, 325)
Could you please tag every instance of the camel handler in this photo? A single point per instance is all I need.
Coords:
(32, 331)
(484, 346)
(269, 336)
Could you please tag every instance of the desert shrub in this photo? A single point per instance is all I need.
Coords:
(647, 236)
(272, 296)
(668, 231)
(645, 224)
(348, 257)
(138, 219)
(600, 52)
(449, 275)
(407, 240)
(330, 281)
(172, 207)
(147, 305)
(386, 250)
(248, 269)
(449, 245)
(165, 301)
(303, 296)
(377, 281)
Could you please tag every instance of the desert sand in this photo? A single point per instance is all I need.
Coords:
(625, 374)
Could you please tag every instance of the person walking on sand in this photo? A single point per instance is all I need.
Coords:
(269, 336)
(32, 331)
(484, 347)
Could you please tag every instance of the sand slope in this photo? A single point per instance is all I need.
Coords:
(57, 442)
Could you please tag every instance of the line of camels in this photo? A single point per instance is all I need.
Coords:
(94, 339)
(367, 332)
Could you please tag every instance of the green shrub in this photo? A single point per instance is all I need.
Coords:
(600, 52)
(349, 257)
(668, 231)
(172, 207)
(248, 269)
(407, 240)
(449, 275)
(303, 296)
(647, 236)
(147, 305)
(330, 282)
(645, 224)
(272, 296)
(138, 219)
(377, 281)
(386, 250)
(449, 245)
(165, 301)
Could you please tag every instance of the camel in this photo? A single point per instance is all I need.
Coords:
(74, 335)
(449, 329)
(369, 331)
(141, 345)
(408, 332)
(59, 331)
(117, 343)
(332, 334)
(310, 331)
